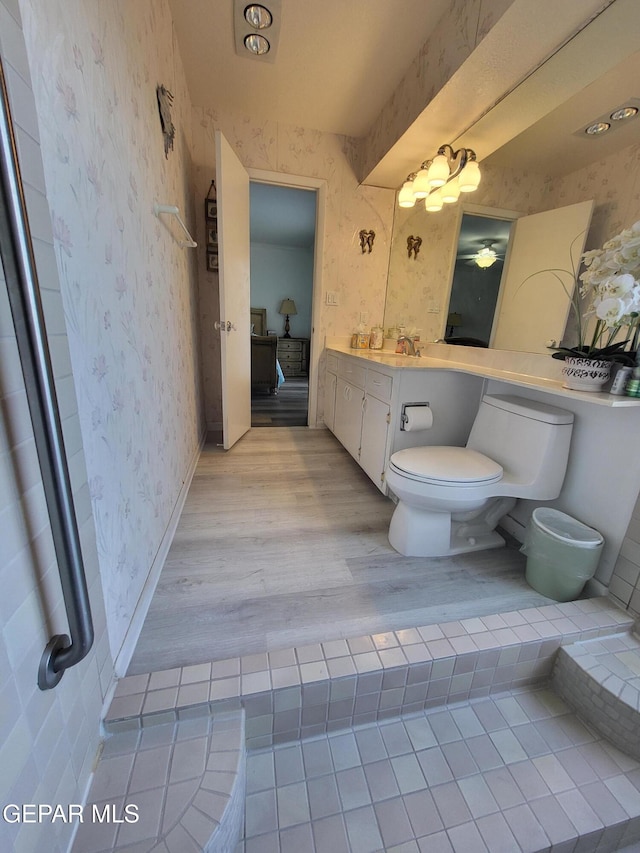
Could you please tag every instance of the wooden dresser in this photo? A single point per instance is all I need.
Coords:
(293, 355)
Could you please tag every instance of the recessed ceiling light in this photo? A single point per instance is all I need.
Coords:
(597, 128)
(623, 113)
(259, 17)
(257, 44)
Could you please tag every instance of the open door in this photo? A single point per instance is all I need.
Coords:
(532, 314)
(232, 183)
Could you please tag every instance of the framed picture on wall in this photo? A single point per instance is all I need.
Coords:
(212, 261)
(210, 208)
(212, 236)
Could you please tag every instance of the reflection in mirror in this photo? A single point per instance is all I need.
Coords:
(482, 245)
(530, 318)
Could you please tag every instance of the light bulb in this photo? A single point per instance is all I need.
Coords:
(257, 44)
(406, 197)
(438, 171)
(421, 185)
(450, 192)
(433, 202)
(259, 17)
(469, 177)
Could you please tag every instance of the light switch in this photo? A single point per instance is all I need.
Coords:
(331, 297)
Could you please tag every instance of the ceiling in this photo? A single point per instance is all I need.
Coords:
(339, 61)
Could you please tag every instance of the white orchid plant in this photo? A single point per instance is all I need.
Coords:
(611, 287)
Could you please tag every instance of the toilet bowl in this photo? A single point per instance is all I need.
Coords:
(450, 499)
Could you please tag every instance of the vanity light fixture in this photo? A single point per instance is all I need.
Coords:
(256, 28)
(441, 180)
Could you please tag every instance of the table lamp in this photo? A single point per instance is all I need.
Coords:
(288, 308)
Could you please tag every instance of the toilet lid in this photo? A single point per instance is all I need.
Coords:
(457, 465)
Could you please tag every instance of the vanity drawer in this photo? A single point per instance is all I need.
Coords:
(332, 362)
(354, 373)
(379, 385)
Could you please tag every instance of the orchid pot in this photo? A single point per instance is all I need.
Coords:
(585, 374)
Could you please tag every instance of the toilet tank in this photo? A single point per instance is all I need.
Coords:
(529, 439)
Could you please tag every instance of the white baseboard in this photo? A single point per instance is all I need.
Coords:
(123, 658)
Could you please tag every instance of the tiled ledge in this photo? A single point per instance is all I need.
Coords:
(314, 689)
(600, 679)
(186, 781)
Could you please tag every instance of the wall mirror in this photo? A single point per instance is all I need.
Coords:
(514, 303)
(525, 174)
(479, 264)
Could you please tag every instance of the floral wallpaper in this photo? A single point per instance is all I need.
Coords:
(456, 36)
(127, 286)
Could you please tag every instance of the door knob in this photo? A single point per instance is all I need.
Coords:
(223, 326)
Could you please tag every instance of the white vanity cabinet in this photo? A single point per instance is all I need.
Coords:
(331, 381)
(376, 417)
(365, 413)
(361, 412)
(348, 406)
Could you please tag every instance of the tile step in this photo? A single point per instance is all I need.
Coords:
(300, 692)
(517, 772)
(183, 781)
(600, 680)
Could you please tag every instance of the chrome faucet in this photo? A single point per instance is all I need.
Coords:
(409, 345)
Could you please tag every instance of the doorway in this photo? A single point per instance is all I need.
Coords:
(482, 245)
(282, 248)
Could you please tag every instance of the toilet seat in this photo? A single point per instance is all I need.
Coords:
(444, 465)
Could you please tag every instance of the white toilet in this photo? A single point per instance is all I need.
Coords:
(450, 499)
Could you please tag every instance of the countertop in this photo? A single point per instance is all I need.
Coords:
(526, 370)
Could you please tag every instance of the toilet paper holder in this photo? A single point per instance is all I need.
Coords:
(403, 414)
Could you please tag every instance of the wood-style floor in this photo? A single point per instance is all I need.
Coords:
(287, 408)
(283, 542)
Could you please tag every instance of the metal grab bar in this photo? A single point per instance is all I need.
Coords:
(16, 250)
(172, 210)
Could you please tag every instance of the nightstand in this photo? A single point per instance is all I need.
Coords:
(293, 355)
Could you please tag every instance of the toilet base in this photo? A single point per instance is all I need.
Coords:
(415, 532)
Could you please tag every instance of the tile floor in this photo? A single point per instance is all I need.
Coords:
(516, 772)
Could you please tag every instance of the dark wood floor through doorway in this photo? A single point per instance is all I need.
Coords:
(287, 408)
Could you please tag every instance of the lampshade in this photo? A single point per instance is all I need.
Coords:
(438, 171)
(469, 177)
(406, 197)
(433, 202)
(421, 185)
(450, 192)
(288, 306)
